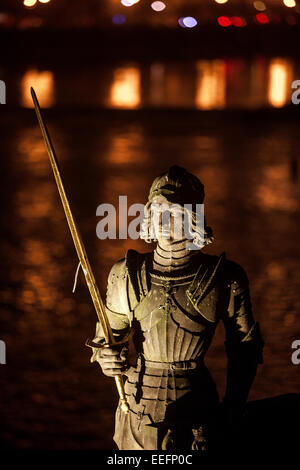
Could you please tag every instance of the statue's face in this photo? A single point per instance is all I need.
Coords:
(167, 220)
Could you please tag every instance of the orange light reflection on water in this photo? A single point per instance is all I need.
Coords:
(275, 191)
(127, 147)
(37, 209)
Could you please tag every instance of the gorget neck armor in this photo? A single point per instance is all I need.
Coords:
(174, 258)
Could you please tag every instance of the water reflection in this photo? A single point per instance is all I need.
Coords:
(127, 147)
(251, 204)
(275, 191)
(43, 83)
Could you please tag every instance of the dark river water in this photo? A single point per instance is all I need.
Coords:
(51, 396)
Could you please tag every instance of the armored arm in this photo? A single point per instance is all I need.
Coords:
(243, 343)
(116, 307)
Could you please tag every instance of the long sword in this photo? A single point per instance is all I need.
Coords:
(81, 252)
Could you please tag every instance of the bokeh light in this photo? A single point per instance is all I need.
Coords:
(181, 23)
(238, 21)
(279, 86)
(262, 18)
(44, 1)
(158, 6)
(189, 21)
(224, 21)
(29, 3)
(119, 19)
(43, 83)
(289, 3)
(129, 3)
(125, 90)
(260, 6)
(221, 1)
(211, 84)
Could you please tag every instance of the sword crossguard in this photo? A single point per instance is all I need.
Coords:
(92, 344)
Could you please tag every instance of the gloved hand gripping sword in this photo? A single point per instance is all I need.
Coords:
(82, 255)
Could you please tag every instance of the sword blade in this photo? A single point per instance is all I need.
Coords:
(79, 246)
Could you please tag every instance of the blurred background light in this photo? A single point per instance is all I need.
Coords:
(289, 3)
(279, 86)
(29, 3)
(224, 21)
(43, 83)
(129, 3)
(211, 84)
(262, 18)
(181, 23)
(125, 90)
(260, 6)
(189, 21)
(238, 21)
(119, 19)
(44, 1)
(221, 1)
(158, 6)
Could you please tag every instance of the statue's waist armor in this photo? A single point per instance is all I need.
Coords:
(174, 366)
(164, 391)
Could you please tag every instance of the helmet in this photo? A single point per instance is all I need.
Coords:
(179, 187)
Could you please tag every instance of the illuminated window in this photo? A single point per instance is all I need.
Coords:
(126, 88)
(211, 85)
(280, 79)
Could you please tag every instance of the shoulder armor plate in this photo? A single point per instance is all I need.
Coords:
(204, 279)
(138, 268)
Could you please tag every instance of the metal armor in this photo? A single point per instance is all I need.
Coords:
(173, 317)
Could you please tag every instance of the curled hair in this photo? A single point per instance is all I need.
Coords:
(199, 236)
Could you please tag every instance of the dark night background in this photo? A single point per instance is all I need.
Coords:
(127, 92)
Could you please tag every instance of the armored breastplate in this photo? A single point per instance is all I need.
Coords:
(175, 316)
(168, 328)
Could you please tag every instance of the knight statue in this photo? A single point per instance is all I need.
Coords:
(172, 299)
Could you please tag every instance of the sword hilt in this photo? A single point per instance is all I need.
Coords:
(118, 378)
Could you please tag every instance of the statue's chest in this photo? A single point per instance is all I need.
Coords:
(167, 306)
